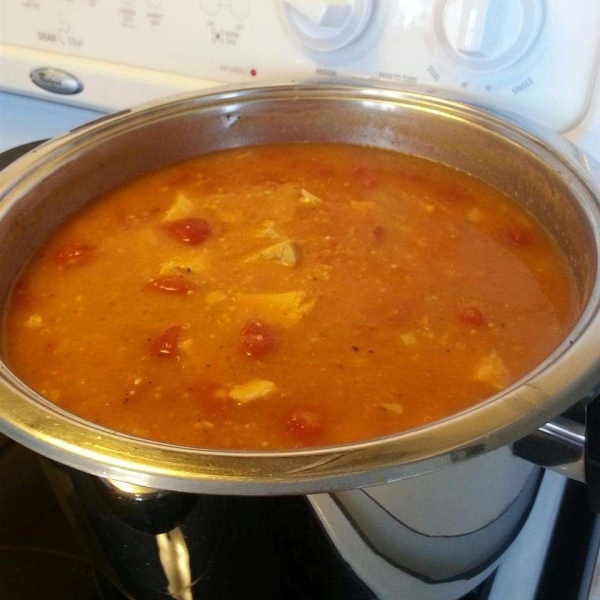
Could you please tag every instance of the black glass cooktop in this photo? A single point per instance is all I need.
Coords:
(39, 556)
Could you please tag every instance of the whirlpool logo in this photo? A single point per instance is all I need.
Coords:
(56, 81)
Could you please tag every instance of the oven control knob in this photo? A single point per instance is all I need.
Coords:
(486, 35)
(326, 25)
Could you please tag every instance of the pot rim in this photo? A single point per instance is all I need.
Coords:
(569, 372)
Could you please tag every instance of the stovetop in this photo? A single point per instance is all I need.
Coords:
(41, 558)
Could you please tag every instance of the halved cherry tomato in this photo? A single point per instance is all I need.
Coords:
(319, 171)
(256, 338)
(74, 254)
(517, 236)
(181, 178)
(188, 231)
(472, 316)
(366, 177)
(21, 295)
(171, 284)
(453, 193)
(413, 177)
(50, 347)
(166, 343)
(304, 425)
(378, 233)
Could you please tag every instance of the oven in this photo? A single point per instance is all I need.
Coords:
(67, 63)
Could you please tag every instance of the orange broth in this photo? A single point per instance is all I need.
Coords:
(288, 296)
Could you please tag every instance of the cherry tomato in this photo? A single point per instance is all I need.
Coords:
(171, 284)
(366, 177)
(516, 236)
(320, 171)
(166, 343)
(378, 233)
(74, 254)
(453, 193)
(188, 231)
(21, 295)
(472, 316)
(50, 347)
(181, 178)
(256, 338)
(413, 177)
(304, 425)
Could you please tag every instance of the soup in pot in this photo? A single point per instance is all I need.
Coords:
(288, 296)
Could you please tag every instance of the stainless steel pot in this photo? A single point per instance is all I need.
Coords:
(536, 168)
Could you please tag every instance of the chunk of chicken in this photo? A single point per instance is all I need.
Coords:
(309, 199)
(34, 322)
(215, 297)
(283, 253)
(180, 209)
(189, 264)
(252, 390)
(408, 339)
(285, 309)
(363, 206)
(491, 370)
(267, 230)
(393, 408)
(474, 215)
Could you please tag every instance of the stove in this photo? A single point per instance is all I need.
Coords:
(556, 555)
(65, 64)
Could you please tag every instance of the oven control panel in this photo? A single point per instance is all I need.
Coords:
(539, 58)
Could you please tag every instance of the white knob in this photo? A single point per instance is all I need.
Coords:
(478, 27)
(488, 34)
(326, 13)
(326, 25)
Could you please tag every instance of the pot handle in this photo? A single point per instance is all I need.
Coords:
(569, 448)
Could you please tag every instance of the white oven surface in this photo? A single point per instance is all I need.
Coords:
(536, 57)
(25, 119)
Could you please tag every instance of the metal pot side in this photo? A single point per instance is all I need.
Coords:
(529, 164)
